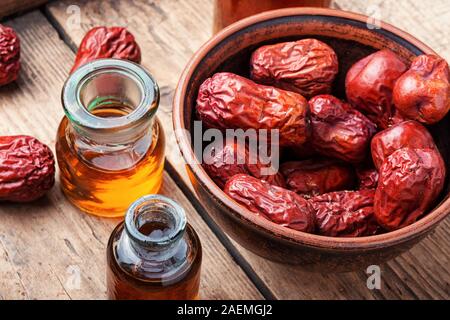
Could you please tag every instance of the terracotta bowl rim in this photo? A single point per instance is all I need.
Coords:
(405, 234)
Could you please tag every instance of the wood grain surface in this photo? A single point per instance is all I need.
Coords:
(44, 246)
(428, 21)
(8, 7)
(169, 32)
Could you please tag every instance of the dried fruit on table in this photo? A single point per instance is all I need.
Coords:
(307, 66)
(345, 214)
(369, 84)
(410, 182)
(227, 100)
(276, 204)
(367, 178)
(317, 176)
(409, 134)
(9, 55)
(107, 42)
(423, 92)
(27, 168)
(232, 157)
(338, 130)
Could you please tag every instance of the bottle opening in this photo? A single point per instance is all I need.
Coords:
(156, 230)
(155, 221)
(110, 94)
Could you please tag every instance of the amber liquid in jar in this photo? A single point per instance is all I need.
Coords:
(228, 11)
(103, 170)
(154, 254)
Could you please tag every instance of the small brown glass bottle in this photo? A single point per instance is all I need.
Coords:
(154, 254)
(110, 145)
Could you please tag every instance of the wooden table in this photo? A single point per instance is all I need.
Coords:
(49, 249)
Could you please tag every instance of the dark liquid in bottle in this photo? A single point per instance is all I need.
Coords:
(165, 275)
(155, 229)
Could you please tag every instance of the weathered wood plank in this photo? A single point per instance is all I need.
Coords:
(169, 32)
(8, 7)
(427, 21)
(49, 249)
(421, 273)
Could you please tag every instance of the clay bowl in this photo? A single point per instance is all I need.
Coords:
(230, 50)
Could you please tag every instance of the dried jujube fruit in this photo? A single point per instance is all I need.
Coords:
(369, 84)
(317, 176)
(107, 42)
(306, 66)
(231, 158)
(27, 168)
(9, 55)
(345, 214)
(409, 134)
(367, 178)
(409, 184)
(227, 100)
(406, 176)
(276, 204)
(423, 92)
(338, 130)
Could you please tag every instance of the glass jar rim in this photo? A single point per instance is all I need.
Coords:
(178, 214)
(80, 115)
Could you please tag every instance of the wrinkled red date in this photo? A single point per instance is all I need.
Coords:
(231, 158)
(9, 55)
(423, 92)
(307, 66)
(367, 178)
(227, 100)
(338, 130)
(369, 84)
(409, 134)
(314, 177)
(410, 182)
(276, 204)
(345, 214)
(27, 168)
(107, 42)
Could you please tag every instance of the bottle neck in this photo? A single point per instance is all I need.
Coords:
(110, 102)
(113, 140)
(155, 226)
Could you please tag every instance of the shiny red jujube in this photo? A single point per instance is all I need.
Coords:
(276, 204)
(227, 100)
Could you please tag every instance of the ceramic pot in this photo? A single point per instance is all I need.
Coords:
(230, 50)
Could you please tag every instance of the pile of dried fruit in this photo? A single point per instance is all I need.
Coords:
(361, 167)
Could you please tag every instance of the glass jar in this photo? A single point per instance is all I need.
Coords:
(228, 11)
(154, 254)
(110, 145)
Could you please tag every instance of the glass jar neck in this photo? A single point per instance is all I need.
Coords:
(110, 101)
(155, 226)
